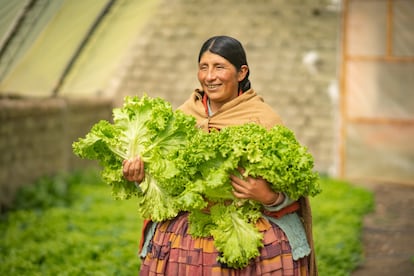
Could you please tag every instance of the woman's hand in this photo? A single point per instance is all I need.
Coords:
(255, 188)
(133, 170)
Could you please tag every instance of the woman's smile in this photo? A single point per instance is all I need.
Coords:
(213, 87)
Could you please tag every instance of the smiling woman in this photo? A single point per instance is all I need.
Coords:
(227, 99)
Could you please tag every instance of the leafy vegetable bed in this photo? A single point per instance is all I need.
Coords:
(69, 225)
(337, 217)
(72, 226)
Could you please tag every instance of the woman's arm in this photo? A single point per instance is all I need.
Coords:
(277, 207)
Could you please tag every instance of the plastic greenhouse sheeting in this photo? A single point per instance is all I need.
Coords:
(43, 47)
(379, 101)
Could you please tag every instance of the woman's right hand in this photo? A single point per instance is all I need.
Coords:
(133, 170)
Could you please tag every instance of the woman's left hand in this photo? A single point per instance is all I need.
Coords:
(254, 188)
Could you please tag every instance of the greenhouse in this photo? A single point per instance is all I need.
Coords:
(339, 73)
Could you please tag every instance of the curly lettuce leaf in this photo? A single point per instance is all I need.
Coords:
(276, 156)
(156, 203)
(149, 128)
(200, 223)
(97, 145)
(208, 166)
(235, 236)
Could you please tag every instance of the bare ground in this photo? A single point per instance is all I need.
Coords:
(388, 232)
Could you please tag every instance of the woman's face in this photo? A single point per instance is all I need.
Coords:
(219, 79)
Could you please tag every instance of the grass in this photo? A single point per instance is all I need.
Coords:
(70, 225)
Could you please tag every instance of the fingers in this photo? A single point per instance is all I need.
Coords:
(241, 170)
(239, 187)
(133, 170)
(139, 171)
(251, 188)
(239, 194)
(241, 183)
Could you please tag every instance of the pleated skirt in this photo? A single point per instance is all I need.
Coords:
(173, 251)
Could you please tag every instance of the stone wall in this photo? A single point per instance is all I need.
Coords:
(36, 137)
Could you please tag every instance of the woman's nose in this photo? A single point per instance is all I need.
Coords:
(211, 75)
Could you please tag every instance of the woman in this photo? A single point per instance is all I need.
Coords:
(225, 99)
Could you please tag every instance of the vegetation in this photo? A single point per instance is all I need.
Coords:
(85, 233)
(337, 224)
(71, 225)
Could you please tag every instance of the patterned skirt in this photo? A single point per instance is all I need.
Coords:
(175, 252)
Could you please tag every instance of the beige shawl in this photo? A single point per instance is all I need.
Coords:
(248, 107)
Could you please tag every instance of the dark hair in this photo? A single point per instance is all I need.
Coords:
(230, 49)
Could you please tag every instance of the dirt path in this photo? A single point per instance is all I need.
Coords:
(388, 232)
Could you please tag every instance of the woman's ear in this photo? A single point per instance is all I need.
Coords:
(242, 72)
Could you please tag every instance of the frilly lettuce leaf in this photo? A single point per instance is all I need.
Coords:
(149, 128)
(276, 156)
(235, 236)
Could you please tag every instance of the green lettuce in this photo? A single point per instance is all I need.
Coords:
(235, 236)
(149, 128)
(273, 154)
(187, 169)
(276, 156)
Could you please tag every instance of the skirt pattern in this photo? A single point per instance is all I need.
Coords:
(173, 251)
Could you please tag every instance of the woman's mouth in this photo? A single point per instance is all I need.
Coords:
(212, 86)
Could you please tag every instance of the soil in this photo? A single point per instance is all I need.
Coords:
(388, 232)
